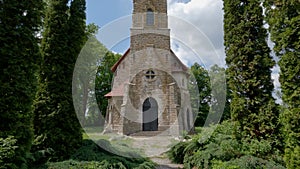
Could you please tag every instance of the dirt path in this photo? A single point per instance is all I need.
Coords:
(165, 163)
(155, 147)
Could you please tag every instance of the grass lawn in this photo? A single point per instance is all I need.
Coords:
(104, 152)
(119, 141)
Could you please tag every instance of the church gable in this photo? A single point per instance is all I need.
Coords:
(171, 58)
(115, 66)
(177, 65)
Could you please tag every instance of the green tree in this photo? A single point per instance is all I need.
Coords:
(84, 78)
(220, 94)
(283, 18)
(249, 70)
(19, 23)
(55, 121)
(201, 77)
(77, 29)
(104, 78)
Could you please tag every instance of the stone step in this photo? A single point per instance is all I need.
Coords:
(146, 133)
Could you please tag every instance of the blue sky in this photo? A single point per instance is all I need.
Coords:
(204, 15)
(103, 12)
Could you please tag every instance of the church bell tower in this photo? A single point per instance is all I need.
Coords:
(150, 25)
(150, 85)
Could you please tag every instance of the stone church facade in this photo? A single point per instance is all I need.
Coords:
(150, 84)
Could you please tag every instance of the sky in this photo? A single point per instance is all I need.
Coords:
(196, 29)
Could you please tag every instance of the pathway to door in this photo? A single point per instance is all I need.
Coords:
(155, 148)
(154, 145)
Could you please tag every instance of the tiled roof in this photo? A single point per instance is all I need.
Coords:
(119, 91)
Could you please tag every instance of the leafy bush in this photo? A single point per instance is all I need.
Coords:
(84, 165)
(176, 153)
(216, 147)
(92, 156)
(7, 151)
(251, 162)
(42, 156)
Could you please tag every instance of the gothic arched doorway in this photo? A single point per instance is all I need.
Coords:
(150, 115)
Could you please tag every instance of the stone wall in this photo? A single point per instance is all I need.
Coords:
(142, 41)
(163, 88)
(141, 6)
(160, 21)
(166, 88)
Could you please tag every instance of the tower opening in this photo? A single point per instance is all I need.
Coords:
(150, 17)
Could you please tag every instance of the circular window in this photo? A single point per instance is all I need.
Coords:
(150, 74)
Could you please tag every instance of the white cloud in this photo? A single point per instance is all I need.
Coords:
(277, 85)
(195, 45)
(275, 76)
(207, 17)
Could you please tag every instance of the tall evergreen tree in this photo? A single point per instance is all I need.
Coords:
(249, 69)
(19, 23)
(77, 28)
(284, 20)
(56, 124)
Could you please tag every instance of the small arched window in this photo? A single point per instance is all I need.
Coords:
(150, 17)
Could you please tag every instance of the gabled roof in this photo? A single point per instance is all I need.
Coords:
(185, 68)
(115, 66)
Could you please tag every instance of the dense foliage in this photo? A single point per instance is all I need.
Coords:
(220, 93)
(211, 102)
(251, 139)
(104, 76)
(84, 79)
(284, 20)
(92, 80)
(201, 78)
(7, 152)
(91, 155)
(249, 71)
(19, 23)
(223, 150)
(55, 122)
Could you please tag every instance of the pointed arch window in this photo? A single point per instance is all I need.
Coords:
(150, 17)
